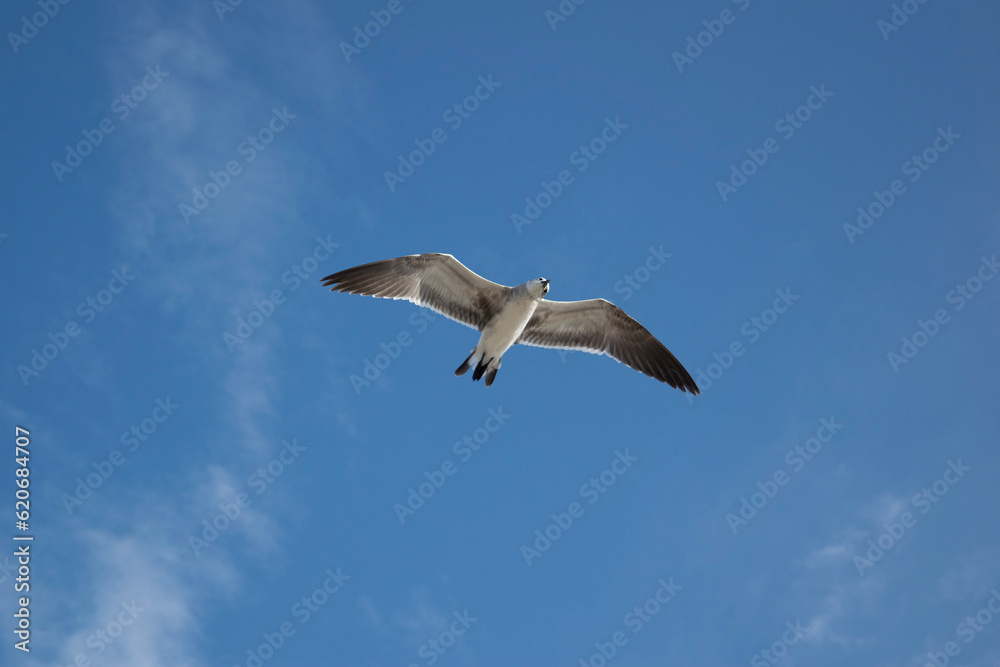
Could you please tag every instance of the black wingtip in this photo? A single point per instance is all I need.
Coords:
(685, 382)
(688, 381)
(331, 281)
(682, 381)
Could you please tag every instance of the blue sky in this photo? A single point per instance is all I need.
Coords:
(178, 177)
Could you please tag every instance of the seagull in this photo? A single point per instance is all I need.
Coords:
(507, 316)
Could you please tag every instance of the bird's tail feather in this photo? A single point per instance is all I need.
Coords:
(466, 365)
(481, 368)
(490, 374)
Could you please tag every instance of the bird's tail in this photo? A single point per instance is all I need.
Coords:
(483, 367)
(480, 369)
(466, 365)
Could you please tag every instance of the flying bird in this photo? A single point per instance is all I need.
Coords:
(507, 316)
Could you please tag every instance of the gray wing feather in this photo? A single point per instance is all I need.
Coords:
(433, 280)
(600, 327)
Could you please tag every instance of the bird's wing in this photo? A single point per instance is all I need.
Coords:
(433, 280)
(600, 327)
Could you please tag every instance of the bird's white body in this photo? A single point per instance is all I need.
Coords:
(503, 331)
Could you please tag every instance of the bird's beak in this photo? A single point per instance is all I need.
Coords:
(545, 283)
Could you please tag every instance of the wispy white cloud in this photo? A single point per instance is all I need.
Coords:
(840, 551)
(846, 599)
(136, 573)
(210, 270)
(141, 589)
(412, 624)
(415, 623)
(971, 574)
(844, 596)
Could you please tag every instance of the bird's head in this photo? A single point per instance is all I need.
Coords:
(538, 287)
